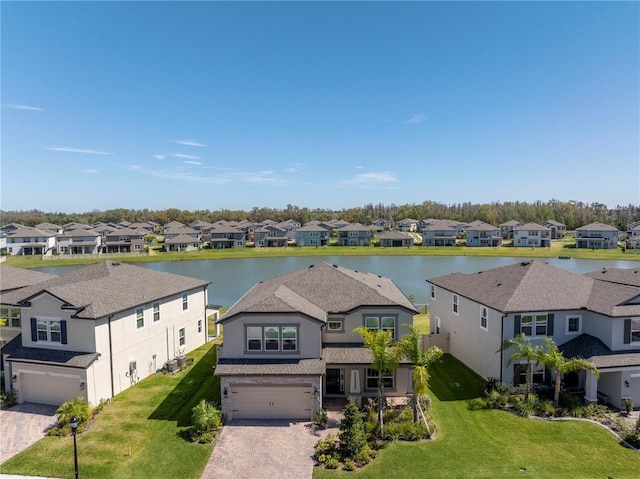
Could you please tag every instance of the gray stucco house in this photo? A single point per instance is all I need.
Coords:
(533, 235)
(439, 233)
(597, 236)
(354, 234)
(479, 233)
(395, 239)
(313, 235)
(289, 342)
(594, 316)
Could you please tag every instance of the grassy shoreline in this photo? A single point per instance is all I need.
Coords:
(558, 248)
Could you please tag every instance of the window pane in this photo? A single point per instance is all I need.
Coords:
(541, 325)
(15, 318)
(54, 327)
(335, 325)
(271, 339)
(371, 322)
(254, 338)
(289, 338)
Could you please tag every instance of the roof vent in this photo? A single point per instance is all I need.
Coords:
(311, 266)
(335, 265)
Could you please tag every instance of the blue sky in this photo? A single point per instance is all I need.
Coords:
(209, 105)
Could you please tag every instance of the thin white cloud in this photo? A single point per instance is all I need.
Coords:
(91, 171)
(358, 167)
(159, 157)
(190, 162)
(246, 177)
(415, 119)
(189, 143)
(77, 150)
(24, 107)
(372, 179)
(186, 157)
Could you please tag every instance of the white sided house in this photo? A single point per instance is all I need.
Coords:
(97, 330)
(595, 316)
(289, 342)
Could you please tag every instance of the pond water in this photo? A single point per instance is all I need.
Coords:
(231, 278)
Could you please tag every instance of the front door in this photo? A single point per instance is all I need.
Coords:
(334, 381)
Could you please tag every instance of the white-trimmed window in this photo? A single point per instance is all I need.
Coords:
(372, 379)
(272, 338)
(534, 325)
(156, 312)
(335, 325)
(432, 291)
(454, 304)
(574, 324)
(49, 330)
(484, 318)
(182, 337)
(385, 323)
(139, 318)
(185, 301)
(635, 330)
(4, 316)
(199, 326)
(520, 373)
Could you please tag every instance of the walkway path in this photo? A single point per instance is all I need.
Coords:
(22, 425)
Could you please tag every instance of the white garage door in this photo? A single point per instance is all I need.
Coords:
(271, 402)
(52, 390)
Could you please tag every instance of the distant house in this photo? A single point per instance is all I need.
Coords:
(354, 234)
(439, 233)
(172, 224)
(182, 242)
(508, 227)
(394, 239)
(270, 237)
(181, 230)
(227, 237)
(407, 225)
(597, 236)
(49, 227)
(383, 223)
(79, 241)
(124, 240)
(480, 233)
(289, 343)
(313, 235)
(26, 241)
(558, 230)
(338, 224)
(532, 234)
(96, 331)
(633, 235)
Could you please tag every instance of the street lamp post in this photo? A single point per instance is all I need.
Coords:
(73, 422)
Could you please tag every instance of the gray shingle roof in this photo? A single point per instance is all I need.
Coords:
(13, 278)
(287, 367)
(108, 287)
(597, 353)
(53, 357)
(537, 286)
(318, 290)
(629, 277)
(348, 353)
(597, 227)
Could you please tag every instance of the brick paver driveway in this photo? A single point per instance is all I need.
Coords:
(22, 425)
(259, 449)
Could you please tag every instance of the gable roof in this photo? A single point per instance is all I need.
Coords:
(629, 277)
(597, 227)
(107, 288)
(537, 286)
(320, 290)
(531, 227)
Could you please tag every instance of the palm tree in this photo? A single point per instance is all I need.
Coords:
(386, 357)
(523, 350)
(421, 361)
(553, 359)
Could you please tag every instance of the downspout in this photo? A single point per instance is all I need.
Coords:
(111, 359)
(501, 343)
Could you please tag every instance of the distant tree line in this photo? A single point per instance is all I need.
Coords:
(571, 213)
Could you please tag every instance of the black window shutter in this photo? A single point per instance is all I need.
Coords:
(627, 331)
(34, 330)
(63, 331)
(550, 324)
(516, 325)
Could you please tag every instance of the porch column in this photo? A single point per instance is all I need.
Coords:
(591, 388)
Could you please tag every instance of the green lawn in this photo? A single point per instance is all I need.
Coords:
(151, 417)
(482, 443)
(558, 248)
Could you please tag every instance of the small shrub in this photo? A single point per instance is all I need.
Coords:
(10, 398)
(628, 405)
(205, 416)
(545, 408)
(349, 465)
(327, 446)
(78, 407)
(525, 408)
(332, 463)
(205, 438)
(364, 456)
(352, 434)
(320, 418)
(595, 411)
(492, 383)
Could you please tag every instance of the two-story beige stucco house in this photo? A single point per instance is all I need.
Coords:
(97, 330)
(289, 342)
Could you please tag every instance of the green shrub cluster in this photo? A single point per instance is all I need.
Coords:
(205, 418)
(78, 407)
(633, 436)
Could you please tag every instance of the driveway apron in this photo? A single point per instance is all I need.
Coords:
(258, 449)
(22, 425)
